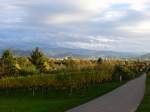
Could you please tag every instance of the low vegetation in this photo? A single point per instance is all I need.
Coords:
(54, 101)
(144, 107)
(59, 84)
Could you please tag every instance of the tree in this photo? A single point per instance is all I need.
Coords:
(8, 64)
(99, 63)
(100, 60)
(37, 58)
(7, 55)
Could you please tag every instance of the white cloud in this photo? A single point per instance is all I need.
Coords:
(141, 27)
(11, 14)
(100, 40)
(105, 20)
(90, 10)
(87, 42)
(85, 10)
(66, 18)
(84, 45)
(111, 15)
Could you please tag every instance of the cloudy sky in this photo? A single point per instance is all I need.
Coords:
(117, 25)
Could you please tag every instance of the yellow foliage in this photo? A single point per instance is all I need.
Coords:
(18, 66)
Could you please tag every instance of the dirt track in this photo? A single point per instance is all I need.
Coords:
(124, 99)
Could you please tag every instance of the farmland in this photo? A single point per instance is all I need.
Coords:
(39, 84)
(52, 102)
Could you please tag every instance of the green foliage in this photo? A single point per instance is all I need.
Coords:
(37, 58)
(144, 106)
(28, 70)
(7, 55)
(22, 101)
(100, 60)
(7, 64)
(124, 71)
(60, 81)
(68, 74)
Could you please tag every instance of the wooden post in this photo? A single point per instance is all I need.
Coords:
(33, 92)
(120, 78)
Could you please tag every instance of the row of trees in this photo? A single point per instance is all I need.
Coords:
(11, 66)
(38, 63)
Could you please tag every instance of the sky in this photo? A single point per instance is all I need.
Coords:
(113, 25)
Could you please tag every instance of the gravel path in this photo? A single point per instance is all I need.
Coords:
(123, 99)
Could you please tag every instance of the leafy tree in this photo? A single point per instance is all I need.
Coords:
(99, 63)
(100, 60)
(7, 55)
(8, 67)
(37, 58)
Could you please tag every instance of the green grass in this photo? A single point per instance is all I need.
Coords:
(59, 103)
(145, 105)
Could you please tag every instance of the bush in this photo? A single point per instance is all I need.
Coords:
(124, 72)
(25, 71)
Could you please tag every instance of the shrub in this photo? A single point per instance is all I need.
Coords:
(28, 70)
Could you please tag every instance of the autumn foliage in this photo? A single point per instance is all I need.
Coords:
(40, 73)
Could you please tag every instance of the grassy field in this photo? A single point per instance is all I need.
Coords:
(145, 106)
(52, 103)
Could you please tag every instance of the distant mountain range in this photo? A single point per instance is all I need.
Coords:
(82, 53)
(145, 57)
(62, 52)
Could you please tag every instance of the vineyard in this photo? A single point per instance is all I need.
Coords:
(39, 73)
(38, 83)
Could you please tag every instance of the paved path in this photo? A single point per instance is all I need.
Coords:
(123, 99)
